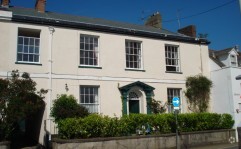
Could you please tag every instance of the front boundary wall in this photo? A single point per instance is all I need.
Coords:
(165, 141)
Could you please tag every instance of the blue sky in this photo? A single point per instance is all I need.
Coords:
(223, 25)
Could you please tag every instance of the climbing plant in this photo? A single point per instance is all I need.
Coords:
(157, 107)
(198, 93)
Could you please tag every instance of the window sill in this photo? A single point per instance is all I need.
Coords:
(127, 69)
(26, 63)
(174, 72)
(92, 67)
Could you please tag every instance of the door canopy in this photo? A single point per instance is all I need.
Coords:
(146, 88)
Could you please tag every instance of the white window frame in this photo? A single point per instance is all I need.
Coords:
(94, 49)
(130, 52)
(173, 92)
(31, 49)
(172, 58)
(92, 106)
(233, 60)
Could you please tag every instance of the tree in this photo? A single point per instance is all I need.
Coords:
(198, 93)
(19, 99)
(66, 107)
(157, 107)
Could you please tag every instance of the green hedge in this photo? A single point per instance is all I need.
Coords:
(96, 125)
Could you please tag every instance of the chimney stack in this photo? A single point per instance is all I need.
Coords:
(188, 30)
(5, 3)
(154, 20)
(40, 5)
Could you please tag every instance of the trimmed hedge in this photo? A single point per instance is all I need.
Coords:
(96, 125)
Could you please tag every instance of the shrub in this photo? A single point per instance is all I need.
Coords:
(226, 121)
(96, 125)
(66, 107)
(19, 100)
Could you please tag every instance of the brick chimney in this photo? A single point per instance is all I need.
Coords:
(188, 30)
(5, 3)
(40, 5)
(154, 20)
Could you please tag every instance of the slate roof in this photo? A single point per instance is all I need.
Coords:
(214, 54)
(56, 19)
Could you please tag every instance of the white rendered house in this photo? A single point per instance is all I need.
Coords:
(98, 61)
(225, 67)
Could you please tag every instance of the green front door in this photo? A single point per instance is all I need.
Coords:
(134, 106)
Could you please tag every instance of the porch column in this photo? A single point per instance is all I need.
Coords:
(148, 101)
(124, 103)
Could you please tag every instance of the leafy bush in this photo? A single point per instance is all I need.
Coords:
(226, 121)
(96, 125)
(66, 107)
(19, 100)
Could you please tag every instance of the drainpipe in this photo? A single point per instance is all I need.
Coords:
(49, 103)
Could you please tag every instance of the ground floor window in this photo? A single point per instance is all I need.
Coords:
(89, 98)
(172, 92)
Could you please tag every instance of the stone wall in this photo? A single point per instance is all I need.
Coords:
(186, 140)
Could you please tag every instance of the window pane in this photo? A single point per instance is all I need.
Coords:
(36, 42)
(25, 49)
(20, 40)
(31, 41)
(20, 48)
(82, 39)
(30, 57)
(25, 57)
(36, 58)
(31, 49)
(36, 50)
(82, 46)
(19, 57)
(26, 41)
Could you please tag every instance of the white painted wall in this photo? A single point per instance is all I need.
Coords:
(226, 92)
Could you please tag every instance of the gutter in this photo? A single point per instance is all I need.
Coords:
(108, 29)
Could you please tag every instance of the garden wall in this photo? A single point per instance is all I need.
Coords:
(186, 140)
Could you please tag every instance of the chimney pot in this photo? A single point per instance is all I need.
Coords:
(154, 20)
(40, 5)
(188, 30)
(5, 3)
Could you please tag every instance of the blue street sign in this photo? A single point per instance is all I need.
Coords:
(176, 101)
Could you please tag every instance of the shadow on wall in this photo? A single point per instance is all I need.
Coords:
(29, 130)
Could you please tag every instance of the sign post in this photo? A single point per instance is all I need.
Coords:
(176, 107)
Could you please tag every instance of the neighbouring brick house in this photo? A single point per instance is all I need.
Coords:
(100, 62)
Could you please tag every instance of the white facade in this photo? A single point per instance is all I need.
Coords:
(59, 66)
(226, 90)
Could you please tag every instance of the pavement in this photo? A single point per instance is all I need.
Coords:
(218, 146)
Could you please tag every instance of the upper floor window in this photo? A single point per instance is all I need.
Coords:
(133, 55)
(233, 60)
(89, 98)
(172, 92)
(172, 58)
(28, 46)
(89, 52)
